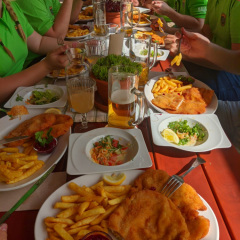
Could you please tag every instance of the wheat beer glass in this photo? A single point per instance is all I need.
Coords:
(99, 14)
(143, 51)
(126, 104)
(126, 17)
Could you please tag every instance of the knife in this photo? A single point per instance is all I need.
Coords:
(13, 139)
(26, 195)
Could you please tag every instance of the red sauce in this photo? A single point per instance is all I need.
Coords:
(48, 148)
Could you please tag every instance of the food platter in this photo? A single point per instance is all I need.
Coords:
(79, 37)
(7, 125)
(79, 160)
(85, 18)
(89, 180)
(211, 108)
(148, 23)
(215, 137)
(26, 92)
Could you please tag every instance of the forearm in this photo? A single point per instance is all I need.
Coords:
(27, 77)
(61, 23)
(76, 8)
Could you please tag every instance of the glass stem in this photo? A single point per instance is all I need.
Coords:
(84, 120)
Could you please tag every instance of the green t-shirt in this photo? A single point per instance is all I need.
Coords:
(12, 40)
(223, 18)
(41, 15)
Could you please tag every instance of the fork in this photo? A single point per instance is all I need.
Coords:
(176, 181)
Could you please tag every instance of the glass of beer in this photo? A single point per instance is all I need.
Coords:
(143, 51)
(126, 104)
(81, 91)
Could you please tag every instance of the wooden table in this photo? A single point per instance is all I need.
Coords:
(217, 181)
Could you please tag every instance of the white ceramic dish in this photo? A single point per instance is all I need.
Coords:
(7, 125)
(143, 10)
(216, 137)
(79, 160)
(211, 108)
(144, 24)
(26, 92)
(79, 37)
(88, 180)
(163, 54)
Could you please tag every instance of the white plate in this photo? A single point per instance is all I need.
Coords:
(143, 10)
(163, 57)
(144, 24)
(211, 108)
(26, 92)
(88, 180)
(7, 125)
(79, 160)
(78, 37)
(216, 136)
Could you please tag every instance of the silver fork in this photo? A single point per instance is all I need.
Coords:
(176, 181)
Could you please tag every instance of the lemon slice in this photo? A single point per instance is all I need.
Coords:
(53, 110)
(170, 136)
(114, 179)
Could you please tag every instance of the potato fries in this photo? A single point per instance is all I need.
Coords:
(76, 217)
(168, 85)
(15, 166)
(77, 32)
(177, 60)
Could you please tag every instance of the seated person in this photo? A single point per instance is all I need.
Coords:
(49, 18)
(189, 14)
(14, 45)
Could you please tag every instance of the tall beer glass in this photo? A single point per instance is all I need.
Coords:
(126, 104)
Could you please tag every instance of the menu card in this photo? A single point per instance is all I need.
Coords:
(116, 43)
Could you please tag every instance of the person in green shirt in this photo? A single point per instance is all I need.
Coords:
(49, 18)
(16, 37)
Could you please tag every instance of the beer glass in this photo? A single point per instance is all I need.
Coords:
(126, 104)
(143, 51)
(126, 17)
(99, 14)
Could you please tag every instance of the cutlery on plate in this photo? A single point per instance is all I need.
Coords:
(26, 195)
(13, 139)
(176, 181)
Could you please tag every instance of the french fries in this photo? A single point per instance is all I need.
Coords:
(16, 166)
(168, 85)
(177, 60)
(86, 210)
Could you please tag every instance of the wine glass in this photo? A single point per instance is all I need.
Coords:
(81, 96)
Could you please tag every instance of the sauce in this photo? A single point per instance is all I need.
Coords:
(48, 148)
(97, 235)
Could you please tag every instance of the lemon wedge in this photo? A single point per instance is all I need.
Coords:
(53, 110)
(114, 179)
(170, 136)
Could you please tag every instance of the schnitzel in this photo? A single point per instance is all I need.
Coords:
(185, 199)
(148, 215)
(59, 123)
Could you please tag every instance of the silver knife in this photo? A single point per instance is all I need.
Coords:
(13, 139)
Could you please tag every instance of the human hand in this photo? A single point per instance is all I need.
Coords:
(171, 43)
(161, 7)
(135, 3)
(146, 3)
(57, 59)
(3, 231)
(193, 45)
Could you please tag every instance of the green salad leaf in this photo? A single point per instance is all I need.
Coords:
(42, 97)
(19, 98)
(100, 69)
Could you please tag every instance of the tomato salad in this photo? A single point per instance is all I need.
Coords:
(108, 151)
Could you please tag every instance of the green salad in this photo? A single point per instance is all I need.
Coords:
(42, 97)
(186, 134)
(101, 67)
(144, 52)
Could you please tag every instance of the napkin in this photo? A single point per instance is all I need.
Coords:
(35, 201)
(116, 43)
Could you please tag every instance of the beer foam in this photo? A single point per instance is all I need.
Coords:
(122, 96)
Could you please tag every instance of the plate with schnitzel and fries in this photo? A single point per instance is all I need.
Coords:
(86, 15)
(20, 164)
(91, 203)
(76, 32)
(180, 94)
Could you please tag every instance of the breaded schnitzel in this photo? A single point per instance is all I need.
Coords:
(148, 215)
(185, 198)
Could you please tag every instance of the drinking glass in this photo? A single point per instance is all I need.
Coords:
(126, 104)
(81, 96)
(94, 50)
(112, 28)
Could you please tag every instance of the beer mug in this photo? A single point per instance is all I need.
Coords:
(143, 51)
(99, 14)
(129, 17)
(126, 104)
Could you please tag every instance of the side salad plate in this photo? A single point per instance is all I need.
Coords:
(39, 96)
(79, 157)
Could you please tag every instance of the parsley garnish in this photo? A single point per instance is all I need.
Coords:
(44, 140)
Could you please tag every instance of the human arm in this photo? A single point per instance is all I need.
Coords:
(181, 20)
(196, 46)
(32, 75)
(3, 231)
(76, 8)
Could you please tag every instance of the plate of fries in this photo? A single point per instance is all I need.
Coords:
(76, 32)
(77, 208)
(32, 166)
(86, 15)
(151, 90)
(59, 207)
